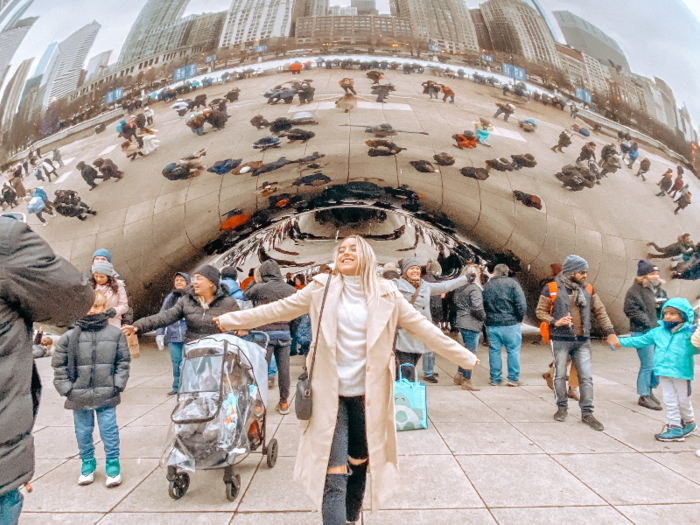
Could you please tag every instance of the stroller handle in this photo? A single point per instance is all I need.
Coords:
(255, 333)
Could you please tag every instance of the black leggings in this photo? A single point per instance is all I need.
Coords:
(343, 493)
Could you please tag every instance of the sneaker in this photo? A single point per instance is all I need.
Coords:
(430, 379)
(592, 422)
(282, 408)
(648, 402)
(561, 414)
(173, 392)
(495, 383)
(671, 433)
(87, 471)
(688, 427)
(513, 383)
(654, 398)
(114, 478)
(271, 382)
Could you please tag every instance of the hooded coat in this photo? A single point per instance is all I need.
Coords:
(175, 333)
(469, 304)
(101, 364)
(674, 352)
(273, 288)
(199, 321)
(87, 172)
(385, 315)
(36, 286)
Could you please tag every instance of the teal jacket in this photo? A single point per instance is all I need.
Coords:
(674, 353)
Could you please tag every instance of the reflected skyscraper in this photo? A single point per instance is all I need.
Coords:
(63, 70)
(584, 36)
(12, 34)
(10, 97)
(535, 4)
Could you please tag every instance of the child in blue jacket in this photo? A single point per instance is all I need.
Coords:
(674, 364)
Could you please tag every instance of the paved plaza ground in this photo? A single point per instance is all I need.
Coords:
(494, 456)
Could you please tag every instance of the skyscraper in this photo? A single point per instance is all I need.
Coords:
(516, 27)
(249, 21)
(535, 4)
(44, 60)
(63, 70)
(159, 27)
(482, 31)
(10, 39)
(97, 64)
(446, 23)
(584, 36)
(10, 97)
(365, 7)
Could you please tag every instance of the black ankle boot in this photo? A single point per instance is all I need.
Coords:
(356, 491)
(334, 494)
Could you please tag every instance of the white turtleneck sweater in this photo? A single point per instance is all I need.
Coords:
(351, 338)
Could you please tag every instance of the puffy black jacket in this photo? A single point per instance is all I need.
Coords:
(101, 366)
(199, 322)
(470, 307)
(504, 302)
(35, 286)
(642, 306)
(273, 288)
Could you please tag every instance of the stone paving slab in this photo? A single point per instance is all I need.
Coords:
(493, 456)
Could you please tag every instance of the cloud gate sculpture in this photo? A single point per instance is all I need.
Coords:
(196, 135)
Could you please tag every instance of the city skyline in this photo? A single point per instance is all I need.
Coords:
(642, 37)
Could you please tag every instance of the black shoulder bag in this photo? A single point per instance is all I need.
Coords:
(302, 402)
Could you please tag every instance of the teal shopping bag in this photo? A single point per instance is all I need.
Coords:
(410, 404)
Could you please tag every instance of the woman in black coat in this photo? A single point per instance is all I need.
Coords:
(643, 303)
(202, 301)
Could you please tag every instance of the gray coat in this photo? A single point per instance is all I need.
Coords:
(470, 308)
(102, 368)
(405, 342)
(35, 286)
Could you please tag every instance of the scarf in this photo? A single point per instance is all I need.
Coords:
(670, 325)
(89, 323)
(414, 283)
(579, 296)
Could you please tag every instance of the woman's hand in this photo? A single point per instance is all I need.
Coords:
(218, 324)
(129, 330)
(240, 333)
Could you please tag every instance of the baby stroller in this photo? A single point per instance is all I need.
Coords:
(220, 416)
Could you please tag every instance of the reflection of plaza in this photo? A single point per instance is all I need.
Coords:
(153, 226)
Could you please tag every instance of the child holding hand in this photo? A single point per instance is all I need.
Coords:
(674, 364)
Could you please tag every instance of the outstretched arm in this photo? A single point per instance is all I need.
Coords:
(419, 327)
(447, 286)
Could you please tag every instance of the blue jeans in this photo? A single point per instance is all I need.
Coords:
(501, 112)
(580, 353)
(10, 507)
(428, 364)
(176, 358)
(470, 338)
(646, 379)
(198, 131)
(109, 432)
(272, 367)
(512, 338)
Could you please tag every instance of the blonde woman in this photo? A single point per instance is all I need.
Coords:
(353, 406)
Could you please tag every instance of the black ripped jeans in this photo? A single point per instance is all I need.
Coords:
(343, 493)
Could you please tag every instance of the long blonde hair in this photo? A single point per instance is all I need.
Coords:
(367, 263)
(473, 269)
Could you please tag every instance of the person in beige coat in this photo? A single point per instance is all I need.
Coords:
(352, 424)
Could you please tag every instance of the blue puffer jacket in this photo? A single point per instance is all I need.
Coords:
(234, 289)
(175, 333)
(674, 353)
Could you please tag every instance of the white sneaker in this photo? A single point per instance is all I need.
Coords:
(114, 482)
(86, 480)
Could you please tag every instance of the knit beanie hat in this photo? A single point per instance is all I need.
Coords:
(209, 272)
(103, 267)
(102, 253)
(229, 272)
(645, 268)
(409, 262)
(574, 264)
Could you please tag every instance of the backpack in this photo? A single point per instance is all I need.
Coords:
(544, 327)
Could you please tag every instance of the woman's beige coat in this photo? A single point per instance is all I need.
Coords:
(384, 316)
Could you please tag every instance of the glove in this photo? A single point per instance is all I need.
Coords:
(111, 313)
(160, 341)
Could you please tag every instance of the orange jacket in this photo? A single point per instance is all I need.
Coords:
(296, 66)
(447, 91)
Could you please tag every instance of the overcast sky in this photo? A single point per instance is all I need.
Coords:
(660, 38)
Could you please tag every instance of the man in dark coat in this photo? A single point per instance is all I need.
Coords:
(36, 286)
(107, 168)
(505, 306)
(643, 303)
(273, 288)
(88, 173)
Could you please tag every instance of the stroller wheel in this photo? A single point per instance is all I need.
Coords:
(178, 487)
(272, 453)
(232, 488)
